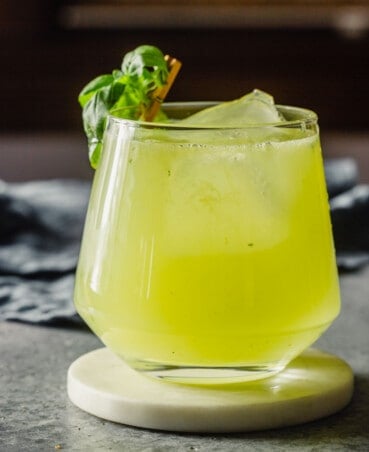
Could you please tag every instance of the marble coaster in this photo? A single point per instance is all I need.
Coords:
(314, 385)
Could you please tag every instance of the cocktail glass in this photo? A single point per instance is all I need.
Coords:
(207, 254)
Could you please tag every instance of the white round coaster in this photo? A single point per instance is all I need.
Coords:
(314, 385)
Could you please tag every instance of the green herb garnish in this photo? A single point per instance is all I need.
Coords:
(142, 72)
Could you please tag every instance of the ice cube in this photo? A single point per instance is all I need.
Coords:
(256, 107)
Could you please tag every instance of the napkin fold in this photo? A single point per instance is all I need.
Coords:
(41, 226)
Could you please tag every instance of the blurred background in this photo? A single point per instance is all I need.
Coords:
(307, 53)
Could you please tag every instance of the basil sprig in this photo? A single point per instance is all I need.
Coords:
(142, 71)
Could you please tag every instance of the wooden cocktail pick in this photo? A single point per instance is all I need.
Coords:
(160, 94)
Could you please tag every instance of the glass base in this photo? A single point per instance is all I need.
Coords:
(205, 375)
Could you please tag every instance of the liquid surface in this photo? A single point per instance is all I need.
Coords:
(208, 255)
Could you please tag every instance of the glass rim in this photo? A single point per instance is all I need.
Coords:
(309, 117)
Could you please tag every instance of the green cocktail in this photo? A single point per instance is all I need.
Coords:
(207, 253)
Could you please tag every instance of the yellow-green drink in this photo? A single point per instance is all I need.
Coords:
(207, 253)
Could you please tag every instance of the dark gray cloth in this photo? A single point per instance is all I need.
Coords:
(39, 300)
(40, 233)
(350, 221)
(349, 206)
(41, 227)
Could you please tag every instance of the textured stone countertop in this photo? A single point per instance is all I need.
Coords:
(36, 415)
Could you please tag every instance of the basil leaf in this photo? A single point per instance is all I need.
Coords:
(95, 113)
(90, 89)
(145, 57)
